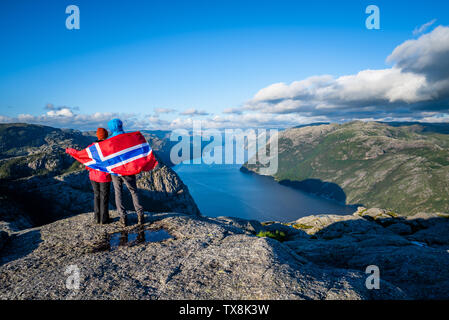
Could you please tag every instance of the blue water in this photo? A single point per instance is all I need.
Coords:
(222, 190)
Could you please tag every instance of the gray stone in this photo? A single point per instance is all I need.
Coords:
(419, 270)
(206, 259)
(313, 224)
(252, 226)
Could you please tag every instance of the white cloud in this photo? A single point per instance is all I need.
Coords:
(418, 82)
(64, 112)
(424, 27)
(428, 55)
(232, 110)
(164, 110)
(194, 112)
(67, 118)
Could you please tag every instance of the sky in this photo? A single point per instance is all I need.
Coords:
(164, 64)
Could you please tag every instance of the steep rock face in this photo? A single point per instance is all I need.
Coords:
(207, 259)
(401, 167)
(164, 186)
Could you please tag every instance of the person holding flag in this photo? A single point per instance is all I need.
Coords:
(101, 184)
(116, 128)
(123, 155)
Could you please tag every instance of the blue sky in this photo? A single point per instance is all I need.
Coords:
(141, 59)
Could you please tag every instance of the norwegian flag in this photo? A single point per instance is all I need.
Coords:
(125, 154)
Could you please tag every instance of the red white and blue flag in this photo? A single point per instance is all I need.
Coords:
(125, 154)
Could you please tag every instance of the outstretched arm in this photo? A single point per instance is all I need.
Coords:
(71, 151)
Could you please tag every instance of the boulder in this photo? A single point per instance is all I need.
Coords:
(252, 226)
(313, 224)
(379, 215)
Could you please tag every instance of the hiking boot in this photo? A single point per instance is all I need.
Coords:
(124, 221)
(140, 219)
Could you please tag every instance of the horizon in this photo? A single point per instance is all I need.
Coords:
(231, 64)
(401, 123)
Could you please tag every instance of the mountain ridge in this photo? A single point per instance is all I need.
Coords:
(403, 168)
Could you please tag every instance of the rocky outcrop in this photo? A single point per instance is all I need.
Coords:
(206, 258)
(320, 257)
(163, 185)
(411, 253)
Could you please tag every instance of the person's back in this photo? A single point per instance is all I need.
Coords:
(116, 127)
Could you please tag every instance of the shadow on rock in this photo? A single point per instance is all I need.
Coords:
(411, 252)
(318, 187)
(20, 245)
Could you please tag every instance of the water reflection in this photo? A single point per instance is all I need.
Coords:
(137, 236)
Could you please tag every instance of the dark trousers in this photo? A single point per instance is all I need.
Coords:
(131, 184)
(101, 201)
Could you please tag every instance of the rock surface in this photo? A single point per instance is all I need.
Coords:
(416, 260)
(208, 258)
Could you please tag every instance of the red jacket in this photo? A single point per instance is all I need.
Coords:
(98, 176)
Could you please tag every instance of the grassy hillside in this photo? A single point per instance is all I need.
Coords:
(402, 168)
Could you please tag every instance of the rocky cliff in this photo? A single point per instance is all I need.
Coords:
(320, 257)
(403, 167)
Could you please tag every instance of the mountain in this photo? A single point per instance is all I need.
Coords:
(401, 167)
(40, 183)
(161, 144)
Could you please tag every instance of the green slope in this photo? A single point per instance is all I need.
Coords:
(402, 168)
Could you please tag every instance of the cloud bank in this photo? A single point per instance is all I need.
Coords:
(415, 87)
